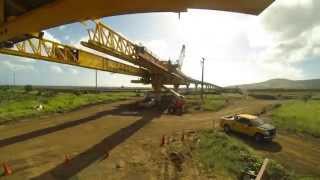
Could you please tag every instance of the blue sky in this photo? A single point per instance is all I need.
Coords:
(283, 42)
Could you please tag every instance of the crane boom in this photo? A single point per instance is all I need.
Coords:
(103, 39)
(181, 57)
(51, 51)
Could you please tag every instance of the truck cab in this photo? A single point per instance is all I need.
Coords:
(249, 125)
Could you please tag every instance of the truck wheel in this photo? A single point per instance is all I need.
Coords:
(258, 137)
(226, 128)
(179, 111)
(171, 110)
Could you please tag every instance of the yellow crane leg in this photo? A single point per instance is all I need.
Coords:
(156, 82)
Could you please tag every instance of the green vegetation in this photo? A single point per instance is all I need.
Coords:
(284, 94)
(284, 84)
(225, 156)
(28, 88)
(212, 102)
(19, 102)
(299, 116)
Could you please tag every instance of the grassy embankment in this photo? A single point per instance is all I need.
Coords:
(18, 103)
(299, 116)
(226, 157)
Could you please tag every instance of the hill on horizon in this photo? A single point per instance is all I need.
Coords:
(283, 84)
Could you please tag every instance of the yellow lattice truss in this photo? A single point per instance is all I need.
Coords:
(55, 52)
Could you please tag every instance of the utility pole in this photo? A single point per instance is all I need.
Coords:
(96, 80)
(202, 65)
(14, 78)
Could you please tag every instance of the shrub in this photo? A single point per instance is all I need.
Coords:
(230, 157)
(27, 88)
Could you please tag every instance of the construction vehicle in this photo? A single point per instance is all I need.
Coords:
(176, 102)
(149, 101)
(169, 101)
(249, 125)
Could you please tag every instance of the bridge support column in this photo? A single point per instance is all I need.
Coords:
(176, 86)
(156, 82)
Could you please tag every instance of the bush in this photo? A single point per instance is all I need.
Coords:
(307, 97)
(230, 157)
(276, 171)
(6, 87)
(77, 93)
(27, 88)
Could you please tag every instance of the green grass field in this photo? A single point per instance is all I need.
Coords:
(299, 116)
(17, 103)
(212, 102)
(226, 156)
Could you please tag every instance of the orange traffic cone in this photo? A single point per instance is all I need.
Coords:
(163, 140)
(66, 159)
(7, 169)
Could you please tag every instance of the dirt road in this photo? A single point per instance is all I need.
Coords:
(116, 141)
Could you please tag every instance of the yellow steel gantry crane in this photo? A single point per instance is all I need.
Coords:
(20, 20)
(105, 40)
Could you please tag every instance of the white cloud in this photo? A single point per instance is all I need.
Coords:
(74, 71)
(56, 69)
(289, 18)
(67, 37)
(295, 3)
(62, 27)
(158, 47)
(295, 36)
(231, 43)
(242, 48)
(50, 37)
(17, 66)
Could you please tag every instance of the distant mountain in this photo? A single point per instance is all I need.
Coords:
(283, 84)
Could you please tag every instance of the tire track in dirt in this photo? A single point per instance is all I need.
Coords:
(294, 150)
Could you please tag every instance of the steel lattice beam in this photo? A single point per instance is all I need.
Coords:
(54, 52)
(106, 40)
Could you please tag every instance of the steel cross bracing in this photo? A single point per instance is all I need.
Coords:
(150, 68)
(103, 39)
(55, 52)
(106, 40)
